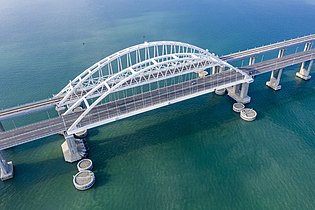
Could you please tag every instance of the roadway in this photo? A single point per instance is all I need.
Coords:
(114, 109)
(28, 108)
(279, 63)
(120, 107)
(266, 48)
(51, 102)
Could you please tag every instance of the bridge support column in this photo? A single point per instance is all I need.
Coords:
(6, 168)
(252, 60)
(1, 127)
(70, 150)
(239, 93)
(304, 73)
(215, 69)
(275, 76)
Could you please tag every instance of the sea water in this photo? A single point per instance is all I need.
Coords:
(197, 154)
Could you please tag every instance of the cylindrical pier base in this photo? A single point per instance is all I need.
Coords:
(248, 114)
(81, 134)
(84, 180)
(238, 107)
(85, 164)
(220, 92)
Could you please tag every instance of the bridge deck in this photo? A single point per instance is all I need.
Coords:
(122, 108)
(28, 108)
(49, 103)
(279, 63)
(266, 48)
(129, 106)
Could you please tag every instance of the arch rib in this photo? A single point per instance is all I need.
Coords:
(201, 63)
(134, 68)
(75, 84)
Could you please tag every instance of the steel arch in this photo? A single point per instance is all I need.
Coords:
(123, 59)
(161, 60)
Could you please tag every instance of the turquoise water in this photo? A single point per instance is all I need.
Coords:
(197, 154)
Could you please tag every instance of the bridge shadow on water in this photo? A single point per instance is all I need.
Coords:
(208, 115)
(215, 165)
(192, 116)
(213, 112)
(199, 114)
(295, 94)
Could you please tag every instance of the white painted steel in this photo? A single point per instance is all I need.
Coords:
(158, 61)
(146, 109)
(128, 60)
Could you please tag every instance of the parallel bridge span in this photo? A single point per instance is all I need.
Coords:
(259, 50)
(89, 83)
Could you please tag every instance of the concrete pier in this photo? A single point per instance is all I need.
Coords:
(275, 76)
(6, 168)
(1, 127)
(70, 150)
(215, 69)
(239, 93)
(81, 135)
(304, 73)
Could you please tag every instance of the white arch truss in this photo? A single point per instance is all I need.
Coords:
(151, 62)
(124, 59)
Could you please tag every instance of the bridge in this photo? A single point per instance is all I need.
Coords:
(145, 77)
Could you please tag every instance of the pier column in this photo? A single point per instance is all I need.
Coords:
(217, 69)
(252, 60)
(239, 93)
(69, 149)
(6, 168)
(276, 75)
(304, 73)
(1, 127)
